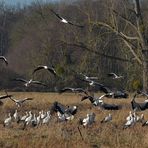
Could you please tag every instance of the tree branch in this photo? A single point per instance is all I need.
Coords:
(116, 31)
(125, 19)
(124, 37)
(132, 51)
(81, 45)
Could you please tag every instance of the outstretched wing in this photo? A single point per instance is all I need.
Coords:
(87, 97)
(52, 70)
(61, 18)
(39, 83)
(112, 74)
(38, 68)
(80, 26)
(81, 90)
(56, 14)
(20, 79)
(5, 96)
(65, 89)
(84, 98)
(25, 99)
(13, 99)
(4, 59)
(93, 78)
(101, 97)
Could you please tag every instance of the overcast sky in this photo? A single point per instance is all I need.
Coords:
(24, 2)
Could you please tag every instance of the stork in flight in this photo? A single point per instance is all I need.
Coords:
(88, 78)
(50, 69)
(93, 100)
(115, 76)
(19, 103)
(29, 82)
(63, 20)
(75, 90)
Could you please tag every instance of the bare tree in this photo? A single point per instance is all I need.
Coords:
(135, 38)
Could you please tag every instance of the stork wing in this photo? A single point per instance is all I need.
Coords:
(84, 98)
(105, 89)
(65, 89)
(87, 97)
(52, 71)
(5, 96)
(61, 18)
(20, 79)
(97, 83)
(25, 99)
(38, 68)
(112, 75)
(80, 26)
(93, 78)
(56, 14)
(13, 99)
(81, 90)
(101, 97)
(59, 107)
(39, 83)
(4, 59)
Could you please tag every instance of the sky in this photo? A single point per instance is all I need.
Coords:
(24, 2)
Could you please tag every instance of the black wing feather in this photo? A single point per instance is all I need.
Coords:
(56, 14)
(20, 79)
(5, 96)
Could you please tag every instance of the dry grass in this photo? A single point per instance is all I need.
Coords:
(65, 135)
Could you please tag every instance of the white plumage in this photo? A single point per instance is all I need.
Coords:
(8, 120)
(107, 118)
(23, 118)
(29, 118)
(47, 118)
(89, 119)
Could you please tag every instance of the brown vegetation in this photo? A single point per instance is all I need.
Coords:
(64, 135)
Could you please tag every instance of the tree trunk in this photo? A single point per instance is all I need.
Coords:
(143, 43)
(145, 70)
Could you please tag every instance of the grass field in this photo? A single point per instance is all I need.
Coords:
(65, 134)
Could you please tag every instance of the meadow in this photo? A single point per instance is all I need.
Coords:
(66, 134)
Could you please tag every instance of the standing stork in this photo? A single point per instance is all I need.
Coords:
(107, 118)
(8, 120)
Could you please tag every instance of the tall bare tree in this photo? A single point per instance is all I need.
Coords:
(135, 37)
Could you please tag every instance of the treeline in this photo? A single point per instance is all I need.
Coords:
(34, 36)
